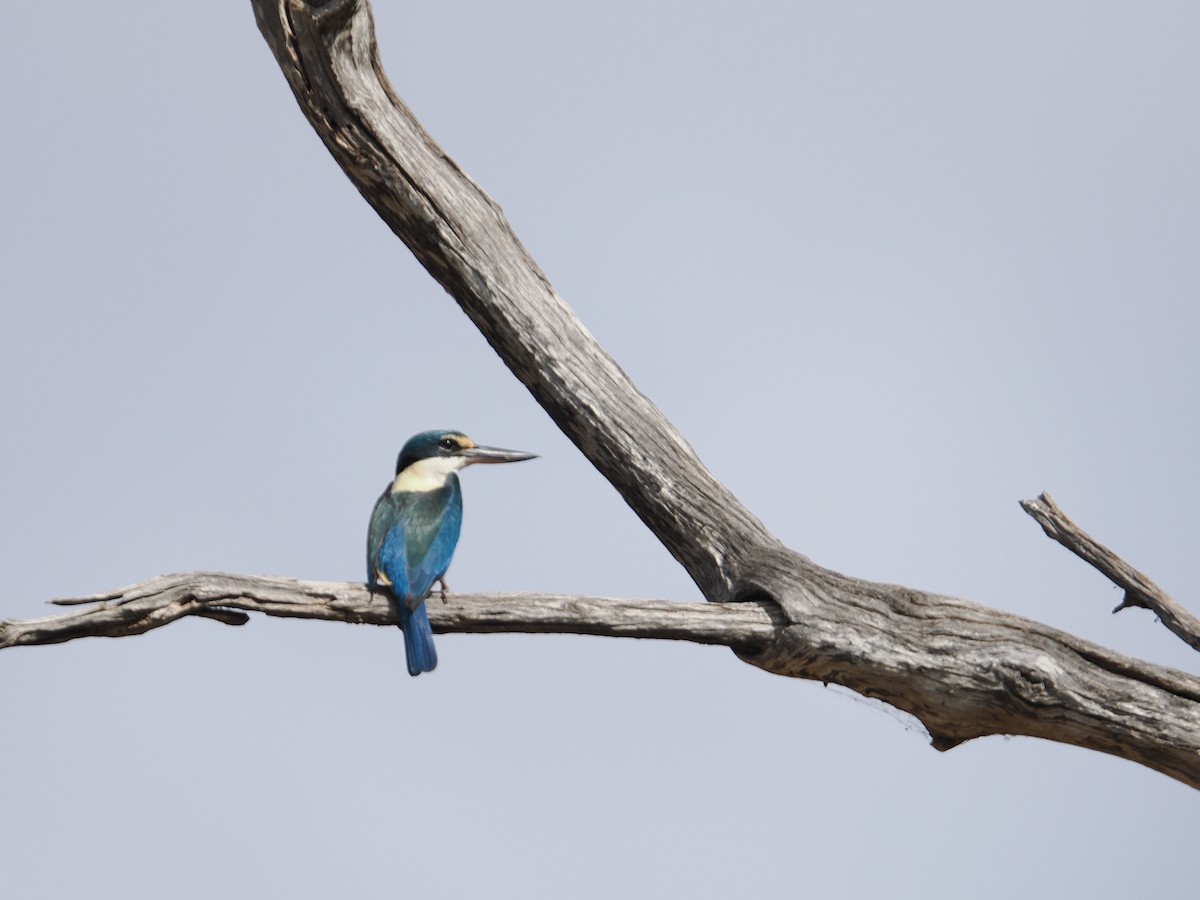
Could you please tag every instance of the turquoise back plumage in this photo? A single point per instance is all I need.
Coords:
(410, 543)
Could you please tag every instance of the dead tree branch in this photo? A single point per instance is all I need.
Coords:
(228, 598)
(965, 671)
(1139, 589)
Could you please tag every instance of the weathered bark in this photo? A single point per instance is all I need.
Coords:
(460, 235)
(1139, 589)
(227, 598)
(962, 669)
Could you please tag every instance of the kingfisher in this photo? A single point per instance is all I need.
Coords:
(414, 529)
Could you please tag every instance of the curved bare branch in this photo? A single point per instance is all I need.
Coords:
(459, 234)
(964, 670)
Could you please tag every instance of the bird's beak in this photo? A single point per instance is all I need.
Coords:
(478, 454)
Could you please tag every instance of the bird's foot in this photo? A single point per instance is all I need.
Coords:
(445, 588)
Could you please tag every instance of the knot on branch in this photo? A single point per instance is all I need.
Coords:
(1033, 683)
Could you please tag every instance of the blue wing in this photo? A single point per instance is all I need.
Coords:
(426, 568)
(409, 546)
(416, 535)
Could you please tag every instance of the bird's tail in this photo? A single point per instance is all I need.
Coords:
(418, 639)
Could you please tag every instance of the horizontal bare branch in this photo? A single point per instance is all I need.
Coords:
(1139, 589)
(228, 598)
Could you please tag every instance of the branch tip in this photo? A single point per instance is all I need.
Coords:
(1139, 590)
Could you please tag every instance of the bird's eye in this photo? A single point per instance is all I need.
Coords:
(448, 444)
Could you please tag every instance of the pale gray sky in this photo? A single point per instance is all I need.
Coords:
(945, 254)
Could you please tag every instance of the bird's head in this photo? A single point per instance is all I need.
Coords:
(427, 458)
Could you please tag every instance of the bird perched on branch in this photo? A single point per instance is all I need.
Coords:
(415, 526)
